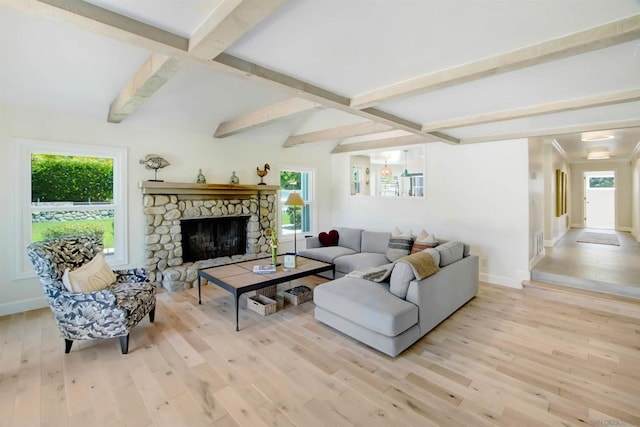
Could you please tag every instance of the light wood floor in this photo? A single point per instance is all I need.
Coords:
(535, 356)
(602, 268)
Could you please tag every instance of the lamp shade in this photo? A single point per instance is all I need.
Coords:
(406, 171)
(294, 199)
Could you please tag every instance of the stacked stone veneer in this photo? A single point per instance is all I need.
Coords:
(163, 236)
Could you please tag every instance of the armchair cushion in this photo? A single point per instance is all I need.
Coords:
(95, 275)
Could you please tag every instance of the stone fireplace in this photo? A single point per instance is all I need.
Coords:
(243, 214)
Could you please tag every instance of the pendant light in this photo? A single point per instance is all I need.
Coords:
(385, 172)
(406, 172)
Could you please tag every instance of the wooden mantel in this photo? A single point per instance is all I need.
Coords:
(189, 189)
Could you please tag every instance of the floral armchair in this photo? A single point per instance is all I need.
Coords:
(108, 313)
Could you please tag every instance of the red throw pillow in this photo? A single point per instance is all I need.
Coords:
(328, 239)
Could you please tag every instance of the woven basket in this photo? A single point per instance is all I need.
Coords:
(269, 291)
(261, 305)
(298, 295)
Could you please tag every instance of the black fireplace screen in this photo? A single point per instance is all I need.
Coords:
(204, 238)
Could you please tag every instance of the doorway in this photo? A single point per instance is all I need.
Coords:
(599, 200)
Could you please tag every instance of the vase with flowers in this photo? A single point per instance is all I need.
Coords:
(274, 250)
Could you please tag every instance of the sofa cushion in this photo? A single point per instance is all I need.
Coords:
(434, 254)
(415, 266)
(329, 239)
(350, 237)
(450, 252)
(358, 261)
(327, 253)
(375, 241)
(466, 250)
(368, 304)
(399, 246)
(401, 276)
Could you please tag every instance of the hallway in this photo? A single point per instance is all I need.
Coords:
(602, 268)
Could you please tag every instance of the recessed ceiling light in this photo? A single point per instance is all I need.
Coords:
(597, 138)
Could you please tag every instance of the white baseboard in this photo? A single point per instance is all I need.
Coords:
(536, 259)
(23, 305)
(627, 229)
(552, 243)
(501, 280)
(636, 234)
(577, 226)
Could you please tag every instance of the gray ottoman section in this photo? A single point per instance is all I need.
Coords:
(368, 304)
(391, 346)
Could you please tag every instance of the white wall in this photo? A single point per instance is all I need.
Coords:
(186, 152)
(635, 192)
(623, 196)
(555, 226)
(477, 194)
(536, 200)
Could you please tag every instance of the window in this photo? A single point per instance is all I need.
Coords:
(292, 217)
(72, 189)
(388, 173)
(601, 182)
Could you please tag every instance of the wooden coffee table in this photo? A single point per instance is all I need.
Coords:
(239, 277)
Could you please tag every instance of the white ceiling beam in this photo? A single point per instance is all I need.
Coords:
(327, 98)
(229, 21)
(356, 129)
(151, 76)
(536, 110)
(265, 116)
(377, 144)
(102, 21)
(589, 40)
(591, 127)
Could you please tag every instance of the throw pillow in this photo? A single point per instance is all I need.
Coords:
(329, 239)
(399, 233)
(419, 247)
(422, 237)
(94, 276)
(398, 247)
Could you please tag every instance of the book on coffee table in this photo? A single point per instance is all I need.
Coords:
(264, 269)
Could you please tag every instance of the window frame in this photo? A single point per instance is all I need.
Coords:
(120, 256)
(309, 201)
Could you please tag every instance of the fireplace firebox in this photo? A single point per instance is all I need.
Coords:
(212, 237)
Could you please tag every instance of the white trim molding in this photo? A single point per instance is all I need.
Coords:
(509, 282)
(23, 305)
(536, 259)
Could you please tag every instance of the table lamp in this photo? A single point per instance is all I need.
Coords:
(294, 200)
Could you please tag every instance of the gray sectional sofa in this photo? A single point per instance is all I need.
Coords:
(391, 315)
(356, 249)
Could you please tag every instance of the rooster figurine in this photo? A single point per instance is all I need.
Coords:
(263, 172)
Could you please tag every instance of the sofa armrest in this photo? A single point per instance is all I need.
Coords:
(438, 296)
(313, 242)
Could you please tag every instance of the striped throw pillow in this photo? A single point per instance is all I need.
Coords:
(399, 246)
